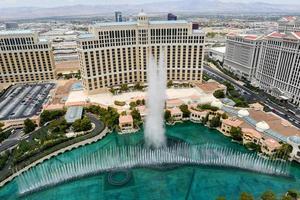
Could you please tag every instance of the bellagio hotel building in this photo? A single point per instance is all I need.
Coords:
(117, 53)
(24, 58)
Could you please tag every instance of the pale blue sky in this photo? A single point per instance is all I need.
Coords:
(53, 3)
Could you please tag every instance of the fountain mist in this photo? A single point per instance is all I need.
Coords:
(154, 125)
(102, 160)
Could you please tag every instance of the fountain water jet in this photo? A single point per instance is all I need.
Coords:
(154, 125)
(114, 158)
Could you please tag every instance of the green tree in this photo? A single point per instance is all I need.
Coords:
(82, 124)
(224, 116)
(112, 90)
(3, 159)
(132, 105)
(170, 83)
(1, 126)
(219, 94)
(58, 126)
(246, 196)
(253, 146)
(204, 120)
(47, 115)
(221, 198)
(284, 151)
(110, 117)
(29, 126)
(137, 119)
(236, 133)
(138, 86)
(293, 194)
(124, 87)
(268, 195)
(284, 197)
(143, 102)
(229, 86)
(185, 110)
(215, 122)
(168, 115)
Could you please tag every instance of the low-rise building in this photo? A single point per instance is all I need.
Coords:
(197, 116)
(171, 103)
(228, 124)
(256, 106)
(217, 53)
(294, 141)
(143, 111)
(251, 135)
(288, 24)
(176, 114)
(126, 123)
(269, 146)
(210, 86)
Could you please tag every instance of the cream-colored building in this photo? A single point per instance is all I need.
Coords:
(24, 58)
(118, 53)
(242, 53)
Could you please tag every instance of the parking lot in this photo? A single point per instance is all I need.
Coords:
(23, 101)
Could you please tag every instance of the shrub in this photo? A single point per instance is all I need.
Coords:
(246, 196)
(268, 195)
(120, 103)
(219, 94)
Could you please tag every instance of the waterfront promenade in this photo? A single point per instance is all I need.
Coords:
(55, 153)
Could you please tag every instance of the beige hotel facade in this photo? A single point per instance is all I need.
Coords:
(117, 53)
(24, 58)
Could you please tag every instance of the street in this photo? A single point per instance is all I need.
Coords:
(259, 97)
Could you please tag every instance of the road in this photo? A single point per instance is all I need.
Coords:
(254, 96)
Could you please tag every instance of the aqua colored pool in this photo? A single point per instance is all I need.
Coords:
(184, 182)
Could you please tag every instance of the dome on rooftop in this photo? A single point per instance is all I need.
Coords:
(294, 139)
(262, 126)
(217, 104)
(243, 113)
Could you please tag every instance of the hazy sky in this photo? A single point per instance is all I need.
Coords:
(53, 3)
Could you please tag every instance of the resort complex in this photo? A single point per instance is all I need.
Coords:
(146, 108)
(118, 53)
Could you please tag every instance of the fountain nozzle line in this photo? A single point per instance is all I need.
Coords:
(43, 176)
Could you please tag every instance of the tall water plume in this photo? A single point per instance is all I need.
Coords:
(154, 125)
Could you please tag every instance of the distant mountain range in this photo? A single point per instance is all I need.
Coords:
(199, 6)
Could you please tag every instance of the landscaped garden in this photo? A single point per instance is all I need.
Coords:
(50, 137)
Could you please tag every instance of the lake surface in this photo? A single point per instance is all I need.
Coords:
(184, 182)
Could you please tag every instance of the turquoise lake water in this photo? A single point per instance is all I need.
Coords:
(185, 182)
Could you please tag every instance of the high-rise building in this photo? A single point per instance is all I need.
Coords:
(172, 16)
(24, 58)
(118, 53)
(242, 54)
(11, 25)
(118, 16)
(278, 71)
(289, 24)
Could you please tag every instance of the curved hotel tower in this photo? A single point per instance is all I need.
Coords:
(117, 53)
